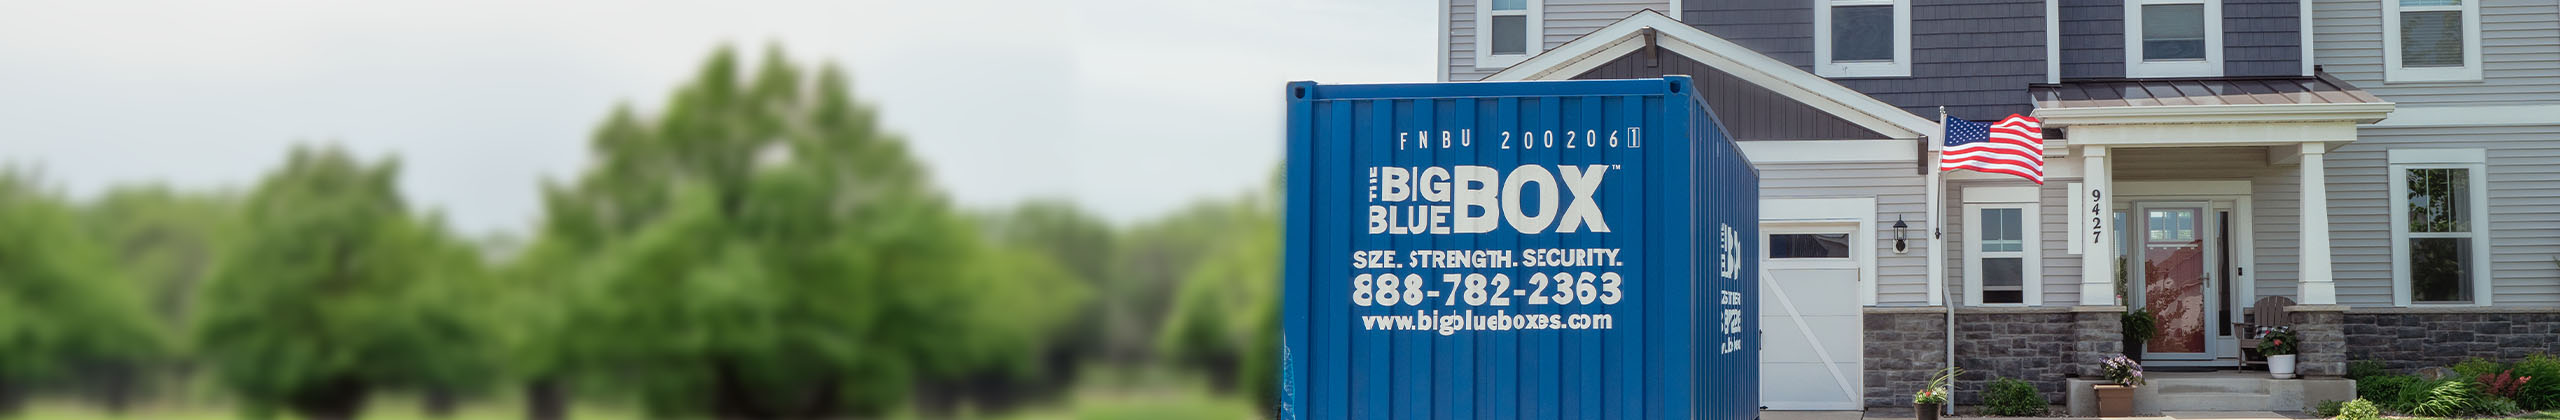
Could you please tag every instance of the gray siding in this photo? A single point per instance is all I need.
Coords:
(2524, 210)
(2261, 38)
(2520, 54)
(1901, 279)
(1749, 111)
(1780, 29)
(2061, 281)
(2092, 39)
(1565, 20)
(1975, 57)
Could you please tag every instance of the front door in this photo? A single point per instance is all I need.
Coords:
(2174, 261)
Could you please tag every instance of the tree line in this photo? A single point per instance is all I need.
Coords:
(759, 246)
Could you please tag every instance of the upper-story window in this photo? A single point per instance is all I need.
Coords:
(2431, 40)
(2173, 38)
(1862, 38)
(1507, 31)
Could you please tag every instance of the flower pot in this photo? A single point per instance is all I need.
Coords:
(2115, 401)
(2280, 366)
(1925, 411)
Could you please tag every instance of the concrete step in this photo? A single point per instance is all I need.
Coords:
(2213, 401)
(2169, 386)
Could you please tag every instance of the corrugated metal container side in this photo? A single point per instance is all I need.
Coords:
(1573, 249)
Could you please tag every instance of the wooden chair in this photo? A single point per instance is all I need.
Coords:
(2268, 312)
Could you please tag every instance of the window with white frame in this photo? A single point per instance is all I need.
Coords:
(2173, 38)
(2431, 40)
(1507, 31)
(2003, 264)
(1862, 38)
(2440, 227)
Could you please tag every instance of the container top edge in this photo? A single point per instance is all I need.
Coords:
(1312, 91)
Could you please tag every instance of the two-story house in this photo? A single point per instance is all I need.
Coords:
(2389, 189)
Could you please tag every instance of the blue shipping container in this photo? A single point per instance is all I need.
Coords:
(1570, 249)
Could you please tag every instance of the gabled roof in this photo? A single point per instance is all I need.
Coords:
(1628, 35)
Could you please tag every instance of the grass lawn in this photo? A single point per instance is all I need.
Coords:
(2553, 414)
(379, 408)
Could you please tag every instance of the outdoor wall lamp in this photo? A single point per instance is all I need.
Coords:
(1899, 244)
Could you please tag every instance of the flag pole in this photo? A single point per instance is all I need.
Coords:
(1937, 240)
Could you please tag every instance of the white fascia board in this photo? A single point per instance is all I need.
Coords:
(1829, 151)
(1751, 66)
(2473, 116)
(2360, 113)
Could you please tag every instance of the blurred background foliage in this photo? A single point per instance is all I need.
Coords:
(759, 246)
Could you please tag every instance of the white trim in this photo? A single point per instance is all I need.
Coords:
(2394, 72)
(2279, 134)
(1535, 29)
(1858, 213)
(2030, 252)
(1974, 195)
(1751, 66)
(2314, 279)
(1447, 67)
(2303, 18)
(2479, 260)
(2210, 66)
(1677, 10)
(1900, 66)
(2053, 41)
(2149, 189)
(2473, 116)
(2418, 156)
(1828, 151)
(2361, 113)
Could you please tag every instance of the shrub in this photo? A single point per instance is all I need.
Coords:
(2011, 397)
(2359, 409)
(2328, 408)
(2543, 392)
(2362, 368)
(2502, 384)
(2448, 399)
(2478, 367)
(2494, 406)
(2384, 388)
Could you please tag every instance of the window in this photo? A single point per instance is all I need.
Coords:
(2173, 38)
(2431, 40)
(1808, 245)
(1507, 31)
(2002, 264)
(2440, 229)
(1862, 38)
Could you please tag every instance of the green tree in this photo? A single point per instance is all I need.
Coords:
(761, 248)
(332, 289)
(163, 240)
(61, 301)
(1225, 319)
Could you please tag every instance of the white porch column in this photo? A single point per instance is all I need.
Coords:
(2098, 254)
(2317, 285)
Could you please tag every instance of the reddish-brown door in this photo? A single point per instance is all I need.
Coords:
(2174, 285)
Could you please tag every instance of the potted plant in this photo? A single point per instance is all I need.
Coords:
(1926, 403)
(2116, 400)
(2139, 327)
(2277, 343)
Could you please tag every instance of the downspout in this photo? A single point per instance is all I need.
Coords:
(1937, 260)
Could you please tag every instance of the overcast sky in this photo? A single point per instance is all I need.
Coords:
(1130, 107)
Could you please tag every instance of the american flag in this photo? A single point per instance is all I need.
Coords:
(2014, 146)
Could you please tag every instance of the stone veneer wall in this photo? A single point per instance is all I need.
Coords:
(1902, 350)
(2322, 330)
(2041, 347)
(2405, 341)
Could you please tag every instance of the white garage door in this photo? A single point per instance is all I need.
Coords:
(1810, 322)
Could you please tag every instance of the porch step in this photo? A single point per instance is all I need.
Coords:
(2178, 386)
(2213, 401)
